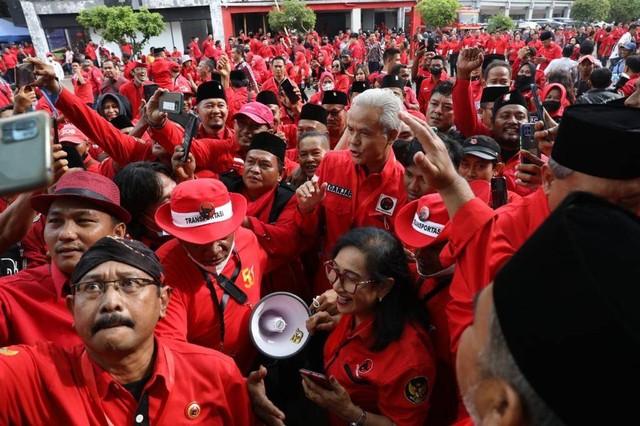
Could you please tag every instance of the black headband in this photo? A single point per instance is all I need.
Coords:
(131, 252)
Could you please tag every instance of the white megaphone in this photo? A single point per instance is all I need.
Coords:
(278, 325)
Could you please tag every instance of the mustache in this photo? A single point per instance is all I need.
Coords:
(111, 321)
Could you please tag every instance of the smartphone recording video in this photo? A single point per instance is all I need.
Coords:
(24, 75)
(25, 133)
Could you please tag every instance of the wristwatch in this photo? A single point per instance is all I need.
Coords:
(361, 420)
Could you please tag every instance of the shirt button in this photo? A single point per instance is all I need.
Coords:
(139, 418)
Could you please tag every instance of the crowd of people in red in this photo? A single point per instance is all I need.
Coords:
(383, 179)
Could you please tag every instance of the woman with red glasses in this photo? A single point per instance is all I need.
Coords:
(378, 357)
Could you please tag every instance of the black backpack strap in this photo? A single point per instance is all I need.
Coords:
(284, 193)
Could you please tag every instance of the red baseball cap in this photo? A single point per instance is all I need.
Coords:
(257, 112)
(423, 222)
(89, 186)
(202, 211)
(174, 66)
(70, 133)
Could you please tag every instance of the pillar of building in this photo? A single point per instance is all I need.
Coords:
(530, 11)
(400, 20)
(215, 9)
(38, 37)
(356, 20)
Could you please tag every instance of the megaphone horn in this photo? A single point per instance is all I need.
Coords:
(278, 325)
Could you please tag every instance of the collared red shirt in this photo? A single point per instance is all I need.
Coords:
(353, 199)
(194, 317)
(395, 382)
(33, 309)
(189, 385)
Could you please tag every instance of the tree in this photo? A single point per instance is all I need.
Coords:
(591, 10)
(624, 10)
(294, 15)
(438, 13)
(122, 23)
(500, 22)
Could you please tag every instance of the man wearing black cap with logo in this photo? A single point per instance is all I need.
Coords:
(548, 52)
(538, 347)
(492, 239)
(120, 373)
(335, 103)
(84, 207)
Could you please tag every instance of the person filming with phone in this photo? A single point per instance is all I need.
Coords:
(378, 357)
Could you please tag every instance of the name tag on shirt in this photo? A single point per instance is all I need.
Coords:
(334, 189)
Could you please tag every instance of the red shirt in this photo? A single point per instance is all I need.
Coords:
(192, 315)
(160, 73)
(207, 48)
(10, 60)
(395, 382)
(46, 382)
(353, 199)
(135, 94)
(552, 52)
(426, 90)
(84, 91)
(481, 242)
(195, 50)
(32, 308)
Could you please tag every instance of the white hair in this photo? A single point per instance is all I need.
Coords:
(388, 104)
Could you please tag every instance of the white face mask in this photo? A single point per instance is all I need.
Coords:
(327, 86)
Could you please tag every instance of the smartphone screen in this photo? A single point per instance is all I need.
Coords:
(287, 87)
(499, 196)
(189, 132)
(149, 90)
(24, 74)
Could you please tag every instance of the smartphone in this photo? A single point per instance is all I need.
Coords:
(20, 134)
(191, 129)
(538, 104)
(287, 87)
(499, 195)
(24, 74)
(527, 141)
(171, 102)
(317, 378)
(149, 90)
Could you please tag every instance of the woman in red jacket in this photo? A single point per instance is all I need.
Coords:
(378, 357)
(343, 82)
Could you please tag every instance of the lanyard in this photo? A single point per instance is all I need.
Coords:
(229, 289)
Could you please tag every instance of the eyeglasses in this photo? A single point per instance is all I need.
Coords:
(335, 112)
(129, 286)
(348, 281)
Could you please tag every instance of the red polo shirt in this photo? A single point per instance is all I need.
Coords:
(46, 382)
(395, 382)
(193, 316)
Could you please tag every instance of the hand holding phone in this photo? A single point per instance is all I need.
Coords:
(318, 378)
